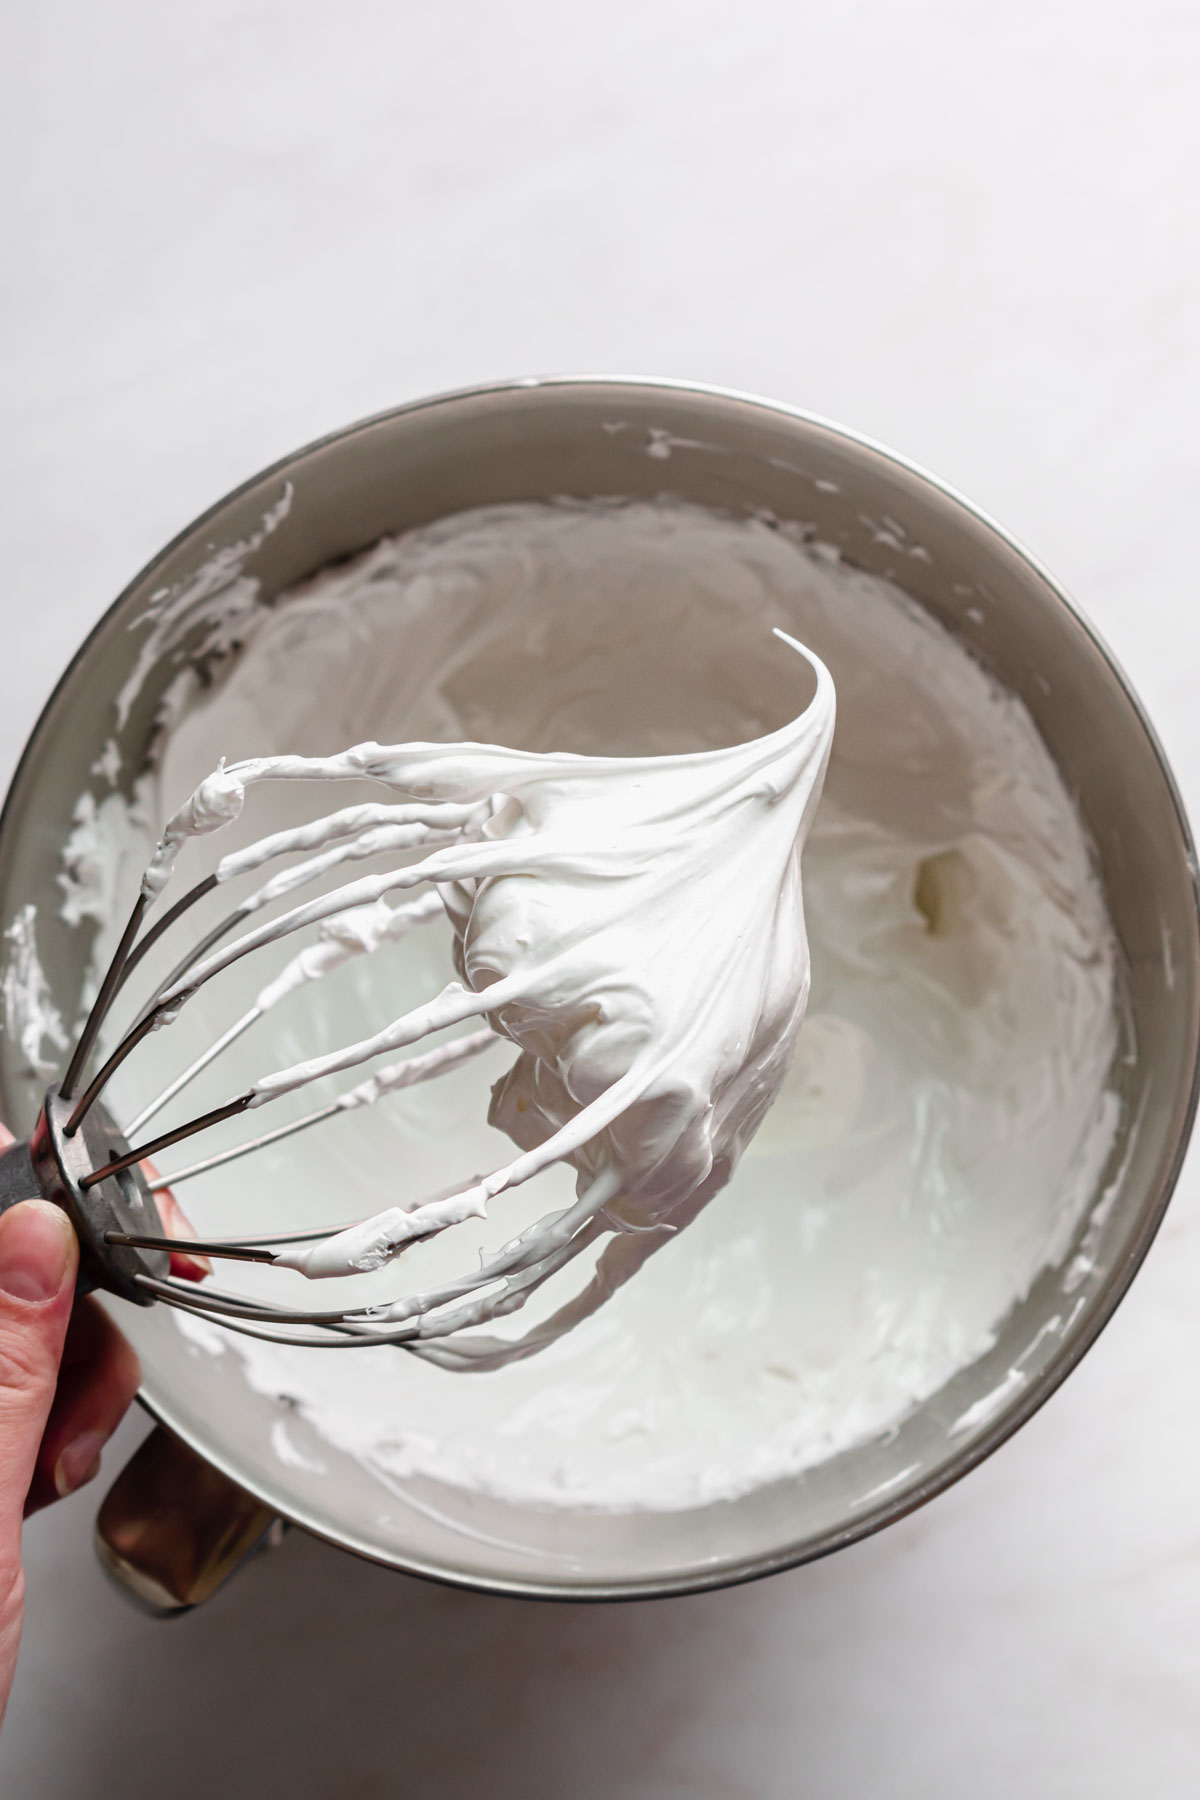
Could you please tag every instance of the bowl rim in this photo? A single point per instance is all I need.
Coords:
(1016, 1411)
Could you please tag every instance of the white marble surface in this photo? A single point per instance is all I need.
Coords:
(970, 230)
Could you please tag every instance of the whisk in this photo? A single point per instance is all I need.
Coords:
(565, 880)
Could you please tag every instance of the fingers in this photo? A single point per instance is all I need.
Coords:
(66, 1378)
(97, 1383)
(38, 1260)
(175, 1222)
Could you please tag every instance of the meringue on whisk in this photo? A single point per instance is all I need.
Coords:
(632, 926)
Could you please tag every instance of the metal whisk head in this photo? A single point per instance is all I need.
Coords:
(78, 1157)
(606, 847)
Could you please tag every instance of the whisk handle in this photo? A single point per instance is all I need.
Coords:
(17, 1179)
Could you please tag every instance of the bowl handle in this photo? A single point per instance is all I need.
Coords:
(172, 1528)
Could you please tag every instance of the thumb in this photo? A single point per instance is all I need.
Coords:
(38, 1260)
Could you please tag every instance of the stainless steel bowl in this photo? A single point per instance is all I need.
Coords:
(531, 441)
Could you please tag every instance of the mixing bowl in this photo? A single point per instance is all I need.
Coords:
(174, 1523)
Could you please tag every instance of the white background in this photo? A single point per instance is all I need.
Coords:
(968, 229)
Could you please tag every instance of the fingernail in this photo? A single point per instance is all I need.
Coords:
(37, 1247)
(79, 1463)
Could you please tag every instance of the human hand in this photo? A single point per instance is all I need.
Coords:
(67, 1377)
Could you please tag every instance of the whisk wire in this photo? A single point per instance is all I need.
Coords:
(199, 950)
(155, 931)
(100, 1006)
(221, 1157)
(215, 1049)
(104, 1075)
(142, 1151)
